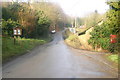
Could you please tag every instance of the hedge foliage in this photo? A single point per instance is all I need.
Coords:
(101, 33)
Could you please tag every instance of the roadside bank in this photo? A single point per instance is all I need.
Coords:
(81, 42)
(11, 50)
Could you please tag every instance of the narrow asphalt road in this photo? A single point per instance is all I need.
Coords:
(57, 60)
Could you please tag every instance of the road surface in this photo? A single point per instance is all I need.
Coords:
(57, 60)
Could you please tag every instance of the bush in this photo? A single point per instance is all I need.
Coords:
(8, 25)
(101, 38)
(114, 57)
(101, 34)
(66, 34)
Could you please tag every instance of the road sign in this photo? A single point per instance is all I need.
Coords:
(17, 31)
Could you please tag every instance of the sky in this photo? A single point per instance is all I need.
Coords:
(80, 8)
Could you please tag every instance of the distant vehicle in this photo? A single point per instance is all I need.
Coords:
(53, 31)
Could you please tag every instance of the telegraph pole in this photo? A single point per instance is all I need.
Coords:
(75, 23)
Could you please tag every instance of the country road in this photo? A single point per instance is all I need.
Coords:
(57, 60)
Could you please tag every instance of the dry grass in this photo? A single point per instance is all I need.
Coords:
(84, 40)
(81, 42)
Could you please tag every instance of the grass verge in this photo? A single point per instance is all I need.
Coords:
(10, 50)
(114, 58)
(71, 39)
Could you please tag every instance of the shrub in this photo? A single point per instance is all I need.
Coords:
(101, 34)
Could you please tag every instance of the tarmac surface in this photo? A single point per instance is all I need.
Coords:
(57, 60)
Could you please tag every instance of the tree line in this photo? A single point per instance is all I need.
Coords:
(35, 19)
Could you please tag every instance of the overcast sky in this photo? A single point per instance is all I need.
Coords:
(79, 7)
(82, 7)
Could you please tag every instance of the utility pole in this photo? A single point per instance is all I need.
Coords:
(75, 23)
(72, 21)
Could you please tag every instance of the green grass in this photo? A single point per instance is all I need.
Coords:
(66, 34)
(114, 57)
(10, 50)
(71, 39)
